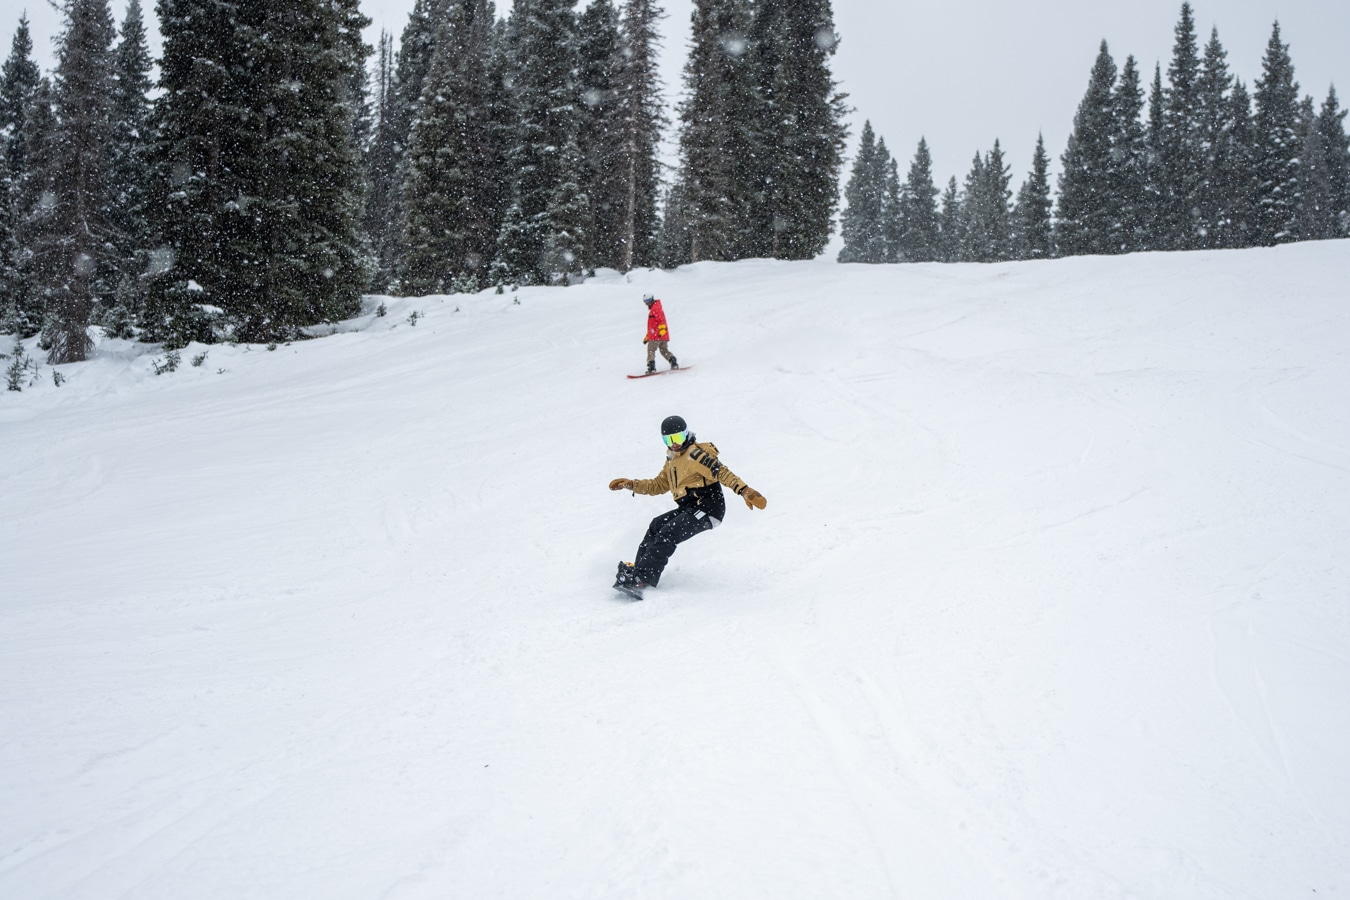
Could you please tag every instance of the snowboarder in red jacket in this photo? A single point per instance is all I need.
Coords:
(658, 334)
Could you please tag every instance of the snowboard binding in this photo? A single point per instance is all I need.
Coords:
(627, 582)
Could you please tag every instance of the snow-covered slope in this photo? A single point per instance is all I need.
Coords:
(1049, 599)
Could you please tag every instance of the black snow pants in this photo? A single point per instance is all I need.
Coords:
(666, 531)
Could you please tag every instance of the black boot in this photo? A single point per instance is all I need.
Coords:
(651, 367)
(627, 582)
(673, 363)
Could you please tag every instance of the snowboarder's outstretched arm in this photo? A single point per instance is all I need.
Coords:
(652, 486)
(753, 498)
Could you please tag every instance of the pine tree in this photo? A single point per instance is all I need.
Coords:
(975, 244)
(601, 133)
(1235, 171)
(716, 137)
(673, 245)
(19, 80)
(641, 112)
(1278, 144)
(381, 218)
(1031, 215)
(1315, 212)
(73, 263)
(569, 212)
(309, 185)
(1085, 217)
(1213, 122)
(806, 137)
(263, 220)
(862, 222)
(919, 211)
(546, 116)
(129, 167)
(999, 203)
(452, 208)
(1156, 226)
(33, 203)
(1130, 205)
(1331, 125)
(1182, 155)
(950, 231)
(893, 207)
(197, 185)
(417, 47)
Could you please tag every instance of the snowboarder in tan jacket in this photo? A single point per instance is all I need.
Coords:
(695, 477)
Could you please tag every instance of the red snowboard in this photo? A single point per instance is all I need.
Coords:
(662, 372)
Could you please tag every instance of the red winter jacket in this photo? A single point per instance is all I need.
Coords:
(656, 323)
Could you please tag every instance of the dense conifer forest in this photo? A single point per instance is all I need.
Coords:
(1198, 161)
(269, 168)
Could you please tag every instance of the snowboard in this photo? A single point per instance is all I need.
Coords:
(661, 372)
(632, 592)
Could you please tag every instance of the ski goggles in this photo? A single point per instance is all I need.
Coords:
(675, 440)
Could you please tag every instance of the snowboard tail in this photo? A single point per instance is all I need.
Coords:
(634, 593)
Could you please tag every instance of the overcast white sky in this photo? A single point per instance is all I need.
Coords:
(964, 72)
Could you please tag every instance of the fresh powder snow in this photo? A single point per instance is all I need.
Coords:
(1051, 597)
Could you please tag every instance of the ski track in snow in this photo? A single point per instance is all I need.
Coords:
(1048, 599)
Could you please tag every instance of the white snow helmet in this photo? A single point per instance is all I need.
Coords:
(649, 299)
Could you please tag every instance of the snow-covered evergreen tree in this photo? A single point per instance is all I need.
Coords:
(19, 80)
(262, 188)
(601, 133)
(569, 213)
(403, 92)
(1182, 154)
(918, 210)
(1214, 122)
(128, 195)
(1130, 204)
(32, 203)
(1156, 227)
(1235, 171)
(1315, 216)
(673, 244)
(1336, 144)
(893, 209)
(863, 219)
(803, 131)
(950, 224)
(452, 205)
(1032, 234)
(1085, 219)
(74, 264)
(545, 90)
(763, 132)
(974, 240)
(1278, 144)
(381, 220)
(716, 140)
(640, 111)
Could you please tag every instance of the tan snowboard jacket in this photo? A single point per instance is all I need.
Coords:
(695, 468)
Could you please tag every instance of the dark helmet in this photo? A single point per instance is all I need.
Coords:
(675, 434)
